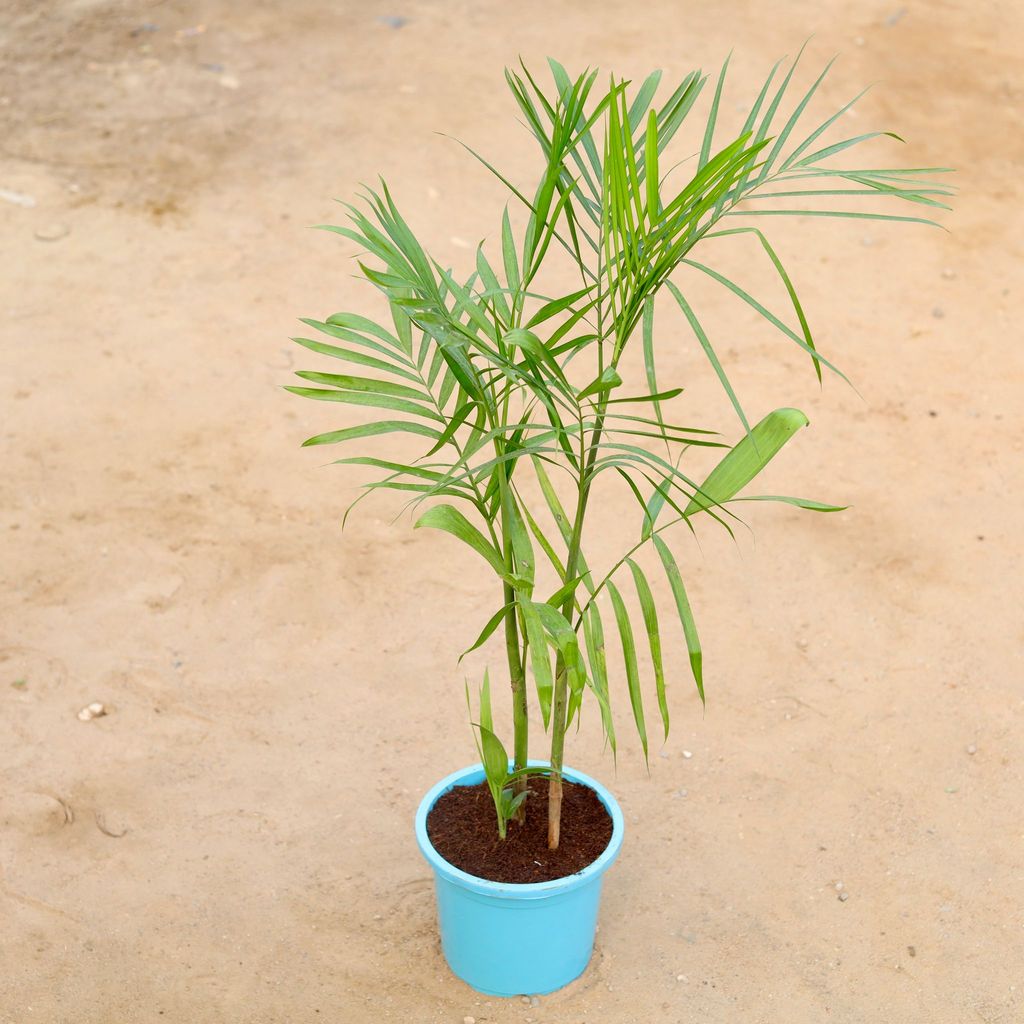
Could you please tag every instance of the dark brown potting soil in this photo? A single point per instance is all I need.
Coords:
(464, 830)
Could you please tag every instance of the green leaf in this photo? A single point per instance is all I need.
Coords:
(790, 290)
(485, 634)
(365, 398)
(709, 131)
(709, 351)
(651, 166)
(747, 458)
(349, 383)
(605, 382)
(593, 635)
(353, 322)
(812, 506)
(649, 367)
(629, 658)
(351, 356)
(658, 396)
(451, 520)
(556, 306)
(521, 546)
(675, 581)
(540, 660)
(371, 430)
(508, 255)
(564, 637)
(650, 614)
(458, 418)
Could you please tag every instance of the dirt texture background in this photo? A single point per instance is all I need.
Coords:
(232, 841)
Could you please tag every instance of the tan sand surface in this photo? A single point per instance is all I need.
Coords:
(232, 841)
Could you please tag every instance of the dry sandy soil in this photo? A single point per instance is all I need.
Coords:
(232, 842)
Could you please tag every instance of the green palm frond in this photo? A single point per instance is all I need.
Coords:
(492, 385)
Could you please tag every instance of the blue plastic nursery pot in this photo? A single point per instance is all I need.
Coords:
(506, 939)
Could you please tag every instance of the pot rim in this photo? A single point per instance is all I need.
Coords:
(519, 890)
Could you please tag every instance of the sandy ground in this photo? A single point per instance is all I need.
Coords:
(232, 842)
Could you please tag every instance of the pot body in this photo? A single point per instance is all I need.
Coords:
(506, 939)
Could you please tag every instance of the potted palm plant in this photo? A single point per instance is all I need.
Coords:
(519, 406)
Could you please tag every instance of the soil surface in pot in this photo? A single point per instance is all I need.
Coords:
(463, 829)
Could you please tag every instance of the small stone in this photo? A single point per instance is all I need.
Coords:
(681, 977)
(534, 1001)
(680, 792)
(229, 81)
(469, 1020)
(52, 232)
(952, 789)
(460, 243)
(948, 273)
(840, 887)
(867, 241)
(687, 754)
(526, 999)
(858, 40)
(843, 897)
(22, 199)
(972, 749)
(663, 754)
(91, 711)
(911, 951)
(938, 312)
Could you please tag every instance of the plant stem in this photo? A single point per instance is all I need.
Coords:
(560, 699)
(517, 676)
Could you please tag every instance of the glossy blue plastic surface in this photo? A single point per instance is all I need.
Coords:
(508, 940)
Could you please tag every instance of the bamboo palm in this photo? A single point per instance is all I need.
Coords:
(496, 379)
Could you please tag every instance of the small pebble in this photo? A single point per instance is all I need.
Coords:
(681, 977)
(843, 897)
(22, 199)
(663, 753)
(52, 232)
(229, 81)
(972, 749)
(858, 40)
(951, 789)
(534, 1001)
(938, 312)
(840, 887)
(687, 754)
(91, 711)
(469, 1020)
(911, 951)
(526, 999)
(681, 792)
(948, 273)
